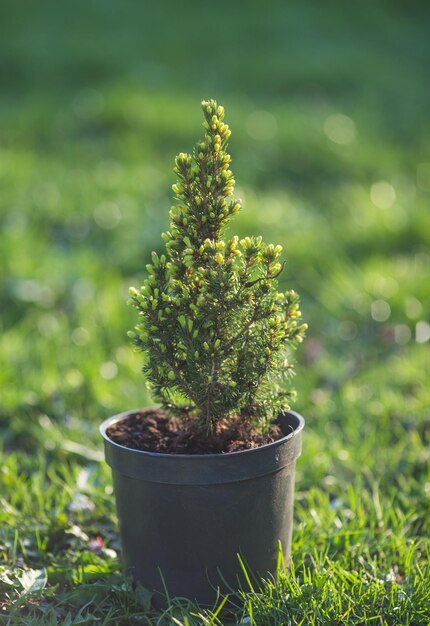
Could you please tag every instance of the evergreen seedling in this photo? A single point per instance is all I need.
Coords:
(215, 331)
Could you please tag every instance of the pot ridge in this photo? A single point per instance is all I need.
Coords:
(205, 469)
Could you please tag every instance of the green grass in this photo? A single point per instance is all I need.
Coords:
(95, 103)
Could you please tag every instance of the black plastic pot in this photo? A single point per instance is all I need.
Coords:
(184, 518)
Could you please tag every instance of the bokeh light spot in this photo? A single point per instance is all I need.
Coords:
(380, 310)
(382, 194)
(107, 215)
(402, 334)
(80, 336)
(261, 125)
(340, 129)
(413, 307)
(74, 378)
(34, 291)
(47, 324)
(108, 370)
(386, 286)
(422, 332)
(83, 289)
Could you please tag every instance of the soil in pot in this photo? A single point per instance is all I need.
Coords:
(152, 430)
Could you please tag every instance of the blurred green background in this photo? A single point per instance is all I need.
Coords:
(328, 105)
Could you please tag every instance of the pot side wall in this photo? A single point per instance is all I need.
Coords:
(189, 532)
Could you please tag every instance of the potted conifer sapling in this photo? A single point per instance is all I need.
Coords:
(209, 474)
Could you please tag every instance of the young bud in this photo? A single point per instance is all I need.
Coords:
(171, 375)
(275, 269)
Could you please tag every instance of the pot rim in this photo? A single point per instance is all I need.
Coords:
(214, 455)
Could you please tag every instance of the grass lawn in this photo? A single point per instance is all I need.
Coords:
(328, 107)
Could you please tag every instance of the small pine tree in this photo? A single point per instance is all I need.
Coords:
(214, 330)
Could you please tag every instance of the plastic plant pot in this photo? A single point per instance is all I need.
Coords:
(184, 519)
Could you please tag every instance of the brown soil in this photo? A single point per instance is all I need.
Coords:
(153, 431)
